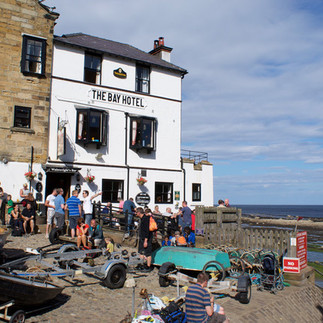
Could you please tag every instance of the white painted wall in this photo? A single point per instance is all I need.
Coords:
(67, 96)
(12, 178)
(204, 177)
(68, 62)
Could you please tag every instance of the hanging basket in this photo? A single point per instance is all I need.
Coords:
(30, 176)
(141, 181)
(90, 178)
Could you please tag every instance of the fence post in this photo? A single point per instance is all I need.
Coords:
(292, 247)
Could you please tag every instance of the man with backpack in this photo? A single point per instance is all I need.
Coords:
(145, 239)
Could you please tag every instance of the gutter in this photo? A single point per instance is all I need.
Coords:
(126, 153)
(184, 180)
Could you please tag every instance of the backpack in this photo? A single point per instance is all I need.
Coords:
(268, 264)
(152, 224)
(16, 232)
(172, 314)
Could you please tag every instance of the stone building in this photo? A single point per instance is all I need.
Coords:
(26, 43)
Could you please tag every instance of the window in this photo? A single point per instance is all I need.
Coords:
(163, 193)
(22, 117)
(196, 192)
(112, 190)
(33, 55)
(92, 68)
(142, 133)
(91, 126)
(142, 79)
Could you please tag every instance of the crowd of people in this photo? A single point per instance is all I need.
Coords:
(180, 232)
(19, 216)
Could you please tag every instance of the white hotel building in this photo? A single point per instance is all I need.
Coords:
(116, 114)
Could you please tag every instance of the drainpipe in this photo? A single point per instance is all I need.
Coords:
(31, 163)
(184, 180)
(126, 153)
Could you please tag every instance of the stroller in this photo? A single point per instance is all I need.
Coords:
(272, 277)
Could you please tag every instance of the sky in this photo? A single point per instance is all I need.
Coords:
(253, 96)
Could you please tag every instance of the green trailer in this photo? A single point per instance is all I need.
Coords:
(174, 260)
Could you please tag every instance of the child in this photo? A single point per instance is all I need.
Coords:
(180, 240)
(189, 236)
(110, 244)
(9, 207)
(172, 238)
(166, 242)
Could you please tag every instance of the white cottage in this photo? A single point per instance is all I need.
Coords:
(116, 115)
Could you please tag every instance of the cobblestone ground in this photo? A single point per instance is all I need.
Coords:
(89, 300)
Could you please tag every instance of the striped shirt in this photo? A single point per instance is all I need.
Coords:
(72, 203)
(197, 298)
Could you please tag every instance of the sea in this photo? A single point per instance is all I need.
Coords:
(283, 211)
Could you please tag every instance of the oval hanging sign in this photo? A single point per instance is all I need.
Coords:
(142, 199)
(119, 72)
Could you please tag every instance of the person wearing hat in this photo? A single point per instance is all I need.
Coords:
(24, 191)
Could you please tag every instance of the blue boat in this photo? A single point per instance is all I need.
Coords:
(189, 258)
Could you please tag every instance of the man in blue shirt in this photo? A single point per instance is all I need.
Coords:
(128, 209)
(59, 203)
(74, 210)
(185, 216)
(200, 305)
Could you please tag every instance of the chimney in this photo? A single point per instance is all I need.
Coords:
(160, 50)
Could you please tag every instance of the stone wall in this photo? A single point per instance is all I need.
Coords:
(18, 17)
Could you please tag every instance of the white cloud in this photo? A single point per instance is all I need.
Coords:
(254, 88)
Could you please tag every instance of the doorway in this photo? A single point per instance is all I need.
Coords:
(58, 180)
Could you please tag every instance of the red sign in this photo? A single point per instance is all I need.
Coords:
(291, 265)
(301, 248)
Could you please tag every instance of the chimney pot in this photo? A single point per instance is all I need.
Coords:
(161, 41)
(156, 43)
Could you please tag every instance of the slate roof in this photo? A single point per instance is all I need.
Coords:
(113, 48)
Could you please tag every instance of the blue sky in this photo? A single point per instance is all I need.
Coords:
(253, 97)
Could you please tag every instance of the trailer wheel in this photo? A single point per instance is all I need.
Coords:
(18, 317)
(54, 236)
(116, 277)
(165, 268)
(244, 297)
(237, 268)
(216, 268)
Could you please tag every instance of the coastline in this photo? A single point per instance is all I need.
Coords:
(310, 224)
(314, 227)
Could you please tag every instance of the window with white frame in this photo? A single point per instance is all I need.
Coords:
(142, 133)
(92, 68)
(91, 126)
(196, 192)
(33, 55)
(112, 190)
(163, 193)
(142, 79)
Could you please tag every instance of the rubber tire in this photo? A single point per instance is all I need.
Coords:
(245, 297)
(18, 317)
(219, 267)
(116, 277)
(54, 236)
(243, 268)
(165, 268)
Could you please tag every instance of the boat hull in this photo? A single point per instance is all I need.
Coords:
(26, 292)
(189, 258)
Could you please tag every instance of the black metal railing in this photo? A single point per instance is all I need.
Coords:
(114, 218)
(197, 156)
